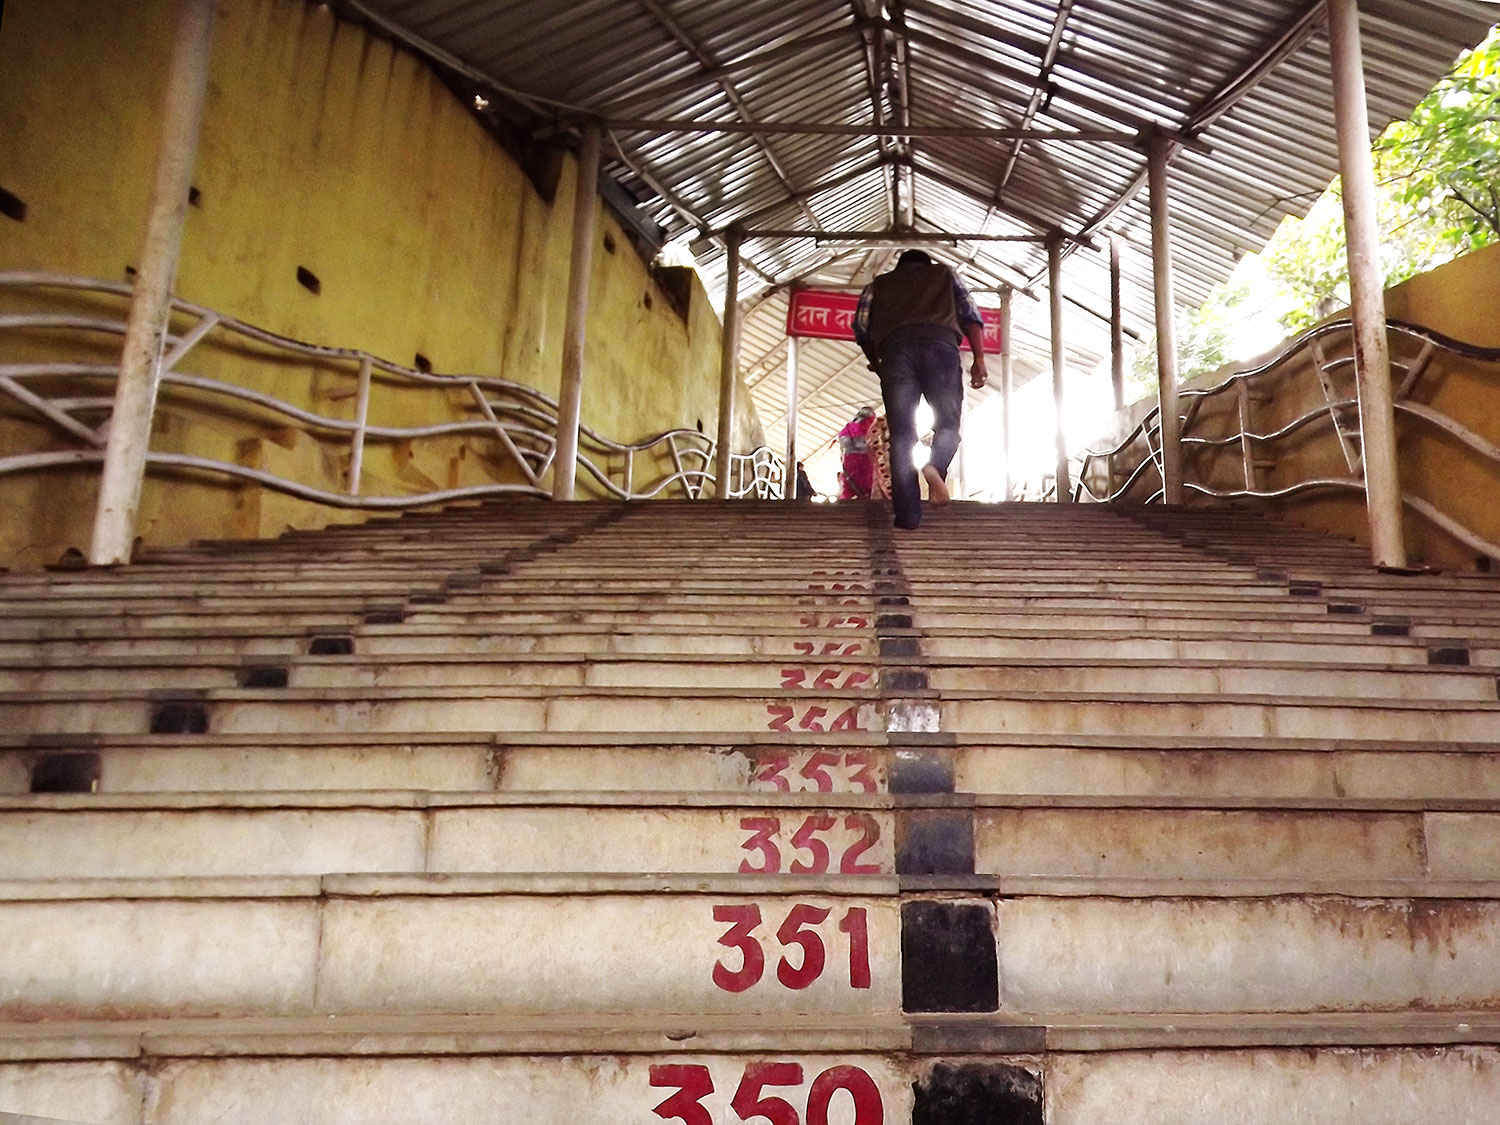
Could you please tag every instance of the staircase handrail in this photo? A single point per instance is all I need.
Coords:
(1330, 412)
(522, 418)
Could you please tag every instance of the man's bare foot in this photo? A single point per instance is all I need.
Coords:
(937, 488)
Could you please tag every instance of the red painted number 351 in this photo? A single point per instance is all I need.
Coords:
(750, 1103)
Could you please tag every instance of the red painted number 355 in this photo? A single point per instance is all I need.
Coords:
(694, 1083)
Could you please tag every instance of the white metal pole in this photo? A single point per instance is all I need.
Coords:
(1054, 285)
(728, 360)
(361, 423)
(575, 330)
(1116, 325)
(1007, 388)
(1158, 151)
(1372, 358)
(789, 478)
(151, 302)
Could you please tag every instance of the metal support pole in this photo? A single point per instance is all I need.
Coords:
(789, 487)
(575, 330)
(1116, 325)
(151, 302)
(1158, 150)
(728, 360)
(361, 424)
(1054, 286)
(958, 488)
(1372, 357)
(1007, 388)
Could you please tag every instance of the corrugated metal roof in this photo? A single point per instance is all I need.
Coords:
(1208, 69)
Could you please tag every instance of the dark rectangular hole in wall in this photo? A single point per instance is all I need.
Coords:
(331, 646)
(422, 363)
(65, 773)
(262, 676)
(949, 962)
(1448, 654)
(977, 1093)
(184, 717)
(921, 771)
(195, 197)
(309, 280)
(935, 842)
(12, 206)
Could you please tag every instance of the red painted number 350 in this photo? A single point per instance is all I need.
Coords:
(694, 1083)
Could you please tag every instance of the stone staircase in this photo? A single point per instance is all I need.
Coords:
(751, 812)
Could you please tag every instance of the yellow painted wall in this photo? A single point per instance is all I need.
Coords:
(327, 148)
(1461, 300)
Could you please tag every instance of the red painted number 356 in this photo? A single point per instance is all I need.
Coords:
(694, 1083)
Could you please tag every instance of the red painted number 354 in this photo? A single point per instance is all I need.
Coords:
(751, 1103)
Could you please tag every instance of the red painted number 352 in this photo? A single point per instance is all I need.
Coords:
(694, 1083)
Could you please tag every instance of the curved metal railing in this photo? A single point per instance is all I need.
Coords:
(1413, 348)
(521, 419)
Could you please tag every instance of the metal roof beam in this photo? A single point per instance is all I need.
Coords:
(663, 17)
(895, 129)
(802, 196)
(1230, 94)
(1038, 93)
(668, 87)
(1036, 221)
(890, 237)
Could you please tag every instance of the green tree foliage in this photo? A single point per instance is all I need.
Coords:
(1438, 182)
(1444, 160)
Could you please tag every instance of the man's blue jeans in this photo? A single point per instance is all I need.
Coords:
(911, 368)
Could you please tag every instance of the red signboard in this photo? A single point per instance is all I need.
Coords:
(821, 314)
(828, 315)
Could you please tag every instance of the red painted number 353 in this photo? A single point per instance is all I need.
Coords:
(694, 1083)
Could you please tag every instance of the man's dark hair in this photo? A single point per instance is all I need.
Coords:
(917, 257)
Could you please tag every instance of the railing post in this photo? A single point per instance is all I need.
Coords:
(1158, 150)
(361, 420)
(1064, 487)
(1116, 326)
(575, 330)
(1247, 443)
(1372, 357)
(151, 303)
(789, 469)
(728, 360)
(1007, 388)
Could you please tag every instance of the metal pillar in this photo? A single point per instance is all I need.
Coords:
(1054, 286)
(790, 476)
(575, 330)
(1116, 326)
(1372, 359)
(151, 302)
(728, 360)
(1007, 388)
(1158, 150)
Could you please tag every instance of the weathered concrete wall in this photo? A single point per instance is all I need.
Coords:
(326, 148)
(1458, 300)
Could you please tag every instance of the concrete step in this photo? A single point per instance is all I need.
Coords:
(552, 944)
(754, 674)
(212, 835)
(458, 1069)
(290, 641)
(1153, 767)
(201, 835)
(439, 709)
(1031, 948)
(602, 709)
